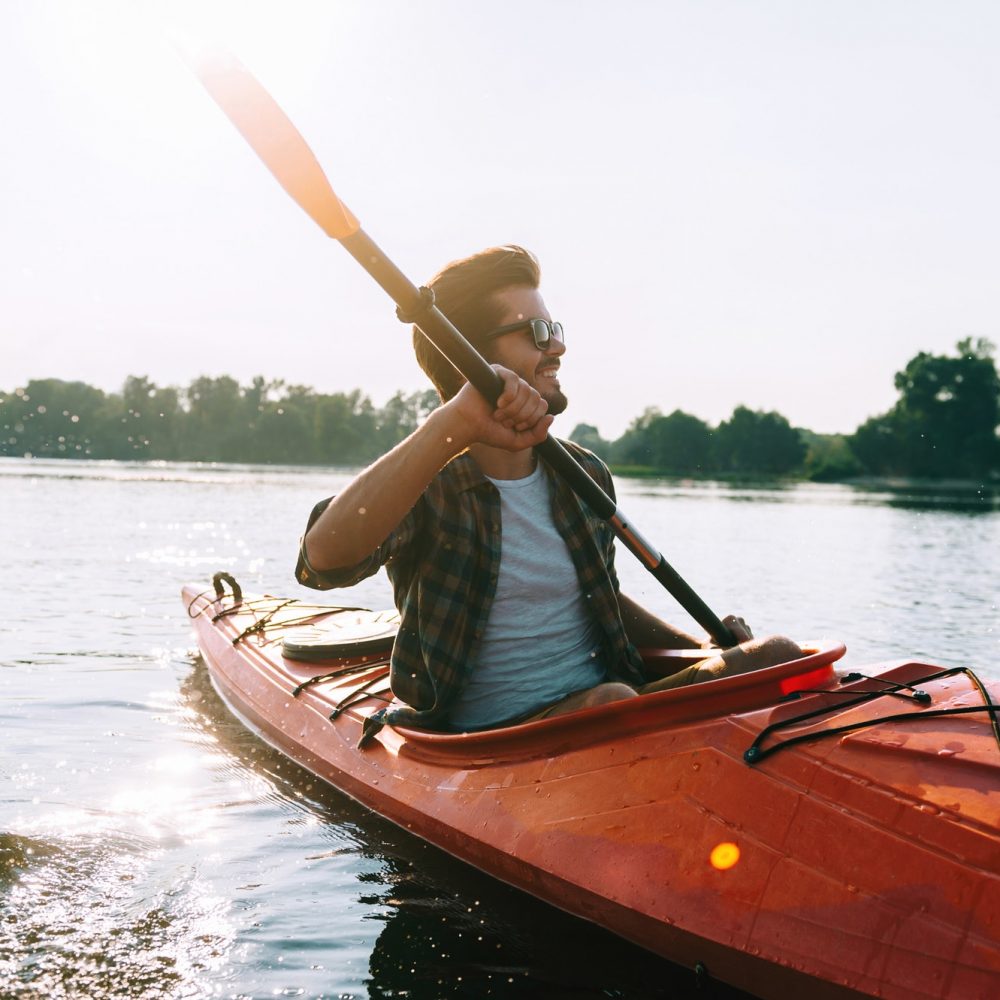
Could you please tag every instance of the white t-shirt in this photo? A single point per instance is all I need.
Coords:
(540, 643)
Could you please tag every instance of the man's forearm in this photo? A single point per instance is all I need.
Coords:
(360, 518)
(648, 631)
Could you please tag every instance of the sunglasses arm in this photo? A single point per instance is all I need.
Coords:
(416, 305)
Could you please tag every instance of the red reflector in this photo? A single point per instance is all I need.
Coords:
(800, 682)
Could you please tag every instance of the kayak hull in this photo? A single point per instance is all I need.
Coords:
(859, 862)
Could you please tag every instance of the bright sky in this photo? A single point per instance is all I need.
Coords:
(774, 203)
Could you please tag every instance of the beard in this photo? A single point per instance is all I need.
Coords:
(557, 401)
(552, 394)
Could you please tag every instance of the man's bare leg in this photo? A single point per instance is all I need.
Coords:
(601, 694)
(750, 655)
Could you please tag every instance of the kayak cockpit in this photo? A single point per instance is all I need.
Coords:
(338, 660)
(727, 696)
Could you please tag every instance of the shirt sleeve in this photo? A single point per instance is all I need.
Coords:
(347, 576)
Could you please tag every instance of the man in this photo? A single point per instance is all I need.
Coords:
(505, 582)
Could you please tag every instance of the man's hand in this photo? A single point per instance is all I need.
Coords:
(739, 628)
(520, 419)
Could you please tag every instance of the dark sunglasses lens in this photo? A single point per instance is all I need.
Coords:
(543, 331)
(540, 331)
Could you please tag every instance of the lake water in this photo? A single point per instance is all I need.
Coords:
(151, 847)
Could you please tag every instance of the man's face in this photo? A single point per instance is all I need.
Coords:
(517, 351)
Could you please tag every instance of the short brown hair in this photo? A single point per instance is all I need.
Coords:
(464, 291)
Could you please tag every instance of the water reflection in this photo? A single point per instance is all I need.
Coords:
(447, 930)
(198, 473)
(902, 494)
(928, 496)
(74, 921)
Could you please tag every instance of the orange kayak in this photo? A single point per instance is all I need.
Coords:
(794, 829)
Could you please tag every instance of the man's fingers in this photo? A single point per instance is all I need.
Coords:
(510, 387)
(518, 406)
(738, 626)
(535, 433)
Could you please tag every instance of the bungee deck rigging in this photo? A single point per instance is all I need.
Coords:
(757, 752)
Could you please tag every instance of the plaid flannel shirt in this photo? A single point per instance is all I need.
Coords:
(443, 561)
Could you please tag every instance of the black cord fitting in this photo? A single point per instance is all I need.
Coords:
(424, 305)
(222, 577)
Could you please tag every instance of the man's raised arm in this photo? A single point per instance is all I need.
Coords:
(360, 518)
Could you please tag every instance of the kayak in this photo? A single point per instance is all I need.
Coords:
(796, 828)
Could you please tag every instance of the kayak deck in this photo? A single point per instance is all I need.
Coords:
(866, 845)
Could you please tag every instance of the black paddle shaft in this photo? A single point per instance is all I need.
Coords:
(417, 306)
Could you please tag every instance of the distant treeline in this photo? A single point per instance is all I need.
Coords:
(944, 425)
(212, 420)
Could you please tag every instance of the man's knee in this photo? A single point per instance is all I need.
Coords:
(754, 654)
(602, 694)
(614, 691)
(610, 691)
(772, 650)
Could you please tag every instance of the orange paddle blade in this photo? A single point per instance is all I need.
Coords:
(273, 138)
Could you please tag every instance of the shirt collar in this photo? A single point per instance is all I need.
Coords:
(462, 473)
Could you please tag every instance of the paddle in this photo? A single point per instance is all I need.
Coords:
(285, 153)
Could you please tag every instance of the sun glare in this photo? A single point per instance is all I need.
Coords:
(116, 69)
(724, 856)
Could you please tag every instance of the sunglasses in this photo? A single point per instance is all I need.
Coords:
(542, 331)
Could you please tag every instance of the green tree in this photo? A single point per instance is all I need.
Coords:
(298, 403)
(876, 447)
(401, 416)
(828, 457)
(945, 420)
(758, 441)
(281, 434)
(53, 418)
(634, 447)
(344, 428)
(149, 420)
(676, 444)
(216, 422)
(680, 443)
(588, 436)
